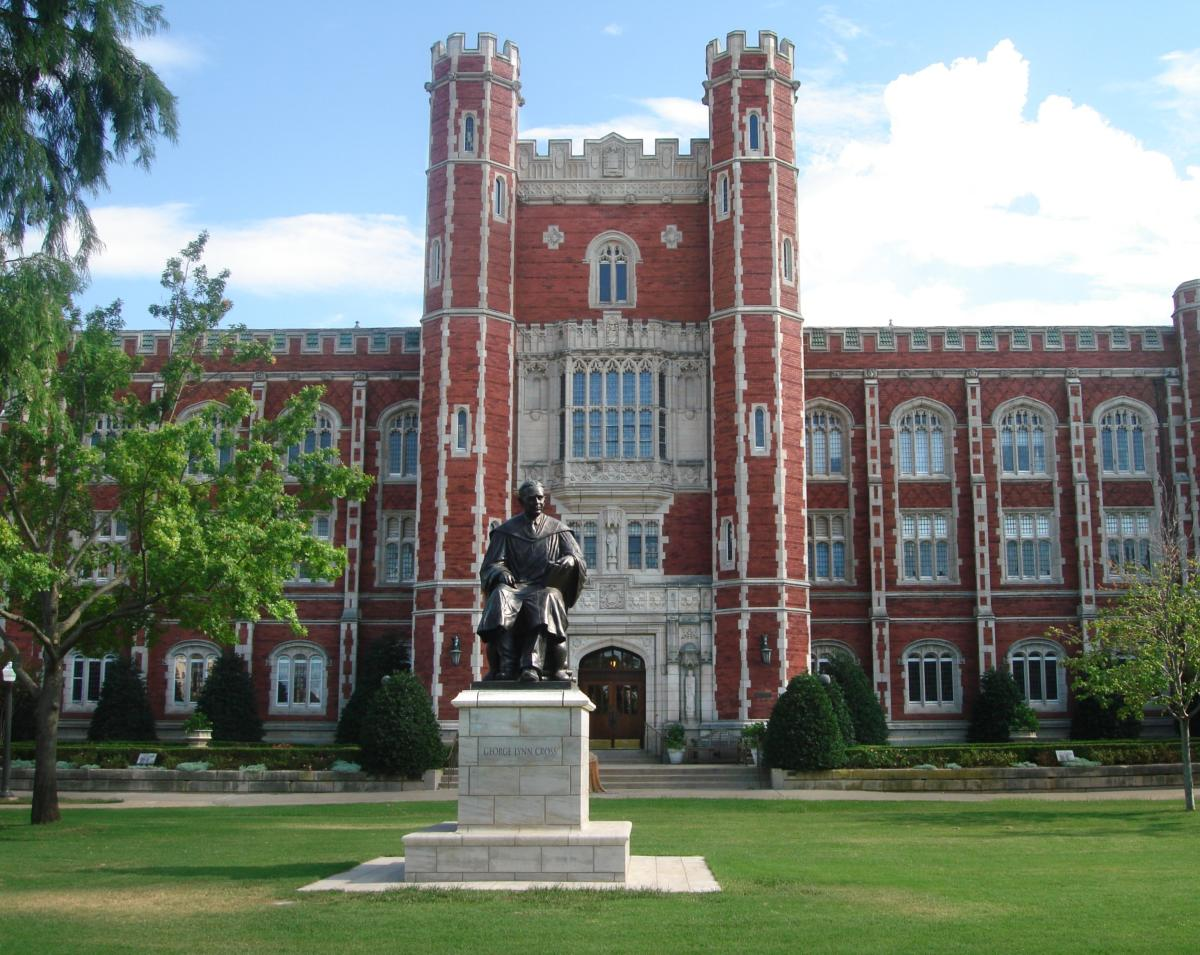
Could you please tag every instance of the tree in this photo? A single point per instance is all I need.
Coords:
(870, 724)
(123, 711)
(400, 736)
(802, 732)
(995, 708)
(211, 533)
(1144, 649)
(379, 659)
(73, 98)
(228, 700)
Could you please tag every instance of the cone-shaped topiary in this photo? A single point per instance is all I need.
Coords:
(995, 708)
(803, 732)
(228, 700)
(840, 713)
(123, 711)
(379, 659)
(870, 724)
(400, 736)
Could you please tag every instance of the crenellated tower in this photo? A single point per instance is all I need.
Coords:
(467, 349)
(757, 360)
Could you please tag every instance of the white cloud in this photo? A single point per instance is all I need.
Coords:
(613, 29)
(307, 253)
(167, 54)
(839, 25)
(962, 201)
(668, 117)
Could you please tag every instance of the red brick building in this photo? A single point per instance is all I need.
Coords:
(751, 493)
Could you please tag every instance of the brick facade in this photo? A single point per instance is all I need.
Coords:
(625, 325)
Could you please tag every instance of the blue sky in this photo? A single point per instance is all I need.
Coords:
(961, 163)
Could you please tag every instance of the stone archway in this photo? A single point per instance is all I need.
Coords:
(615, 680)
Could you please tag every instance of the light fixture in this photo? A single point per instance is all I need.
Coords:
(9, 676)
(455, 650)
(764, 649)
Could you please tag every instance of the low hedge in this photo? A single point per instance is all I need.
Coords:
(218, 756)
(1041, 753)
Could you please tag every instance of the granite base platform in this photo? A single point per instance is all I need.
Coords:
(645, 873)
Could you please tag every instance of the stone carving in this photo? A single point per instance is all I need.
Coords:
(553, 237)
(671, 236)
(612, 597)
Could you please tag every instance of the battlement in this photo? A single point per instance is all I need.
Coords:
(735, 42)
(612, 168)
(485, 46)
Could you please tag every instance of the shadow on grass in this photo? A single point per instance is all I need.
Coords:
(303, 871)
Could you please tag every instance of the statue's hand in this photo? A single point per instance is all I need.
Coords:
(509, 579)
(567, 562)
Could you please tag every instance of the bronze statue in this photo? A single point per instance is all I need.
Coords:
(532, 574)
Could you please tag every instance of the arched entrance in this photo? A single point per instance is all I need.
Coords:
(615, 680)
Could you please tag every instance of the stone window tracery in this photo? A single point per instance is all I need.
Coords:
(400, 444)
(921, 440)
(826, 443)
(931, 676)
(1123, 441)
(1023, 443)
(615, 408)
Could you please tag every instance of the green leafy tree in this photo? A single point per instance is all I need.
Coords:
(213, 534)
(123, 711)
(73, 99)
(227, 699)
(803, 732)
(870, 724)
(1144, 650)
(400, 736)
(380, 658)
(995, 709)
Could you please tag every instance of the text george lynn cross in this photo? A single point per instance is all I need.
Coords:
(532, 573)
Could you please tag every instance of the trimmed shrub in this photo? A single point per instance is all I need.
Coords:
(803, 731)
(840, 712)
(123, 711)
(995, 708)
(1094, 718)
(870, 723)
(377, 661)
(400, 736)
(228, 700)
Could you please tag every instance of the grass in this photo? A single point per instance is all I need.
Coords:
(797, 876)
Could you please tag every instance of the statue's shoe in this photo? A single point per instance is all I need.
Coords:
(529, 676)
(563, 675)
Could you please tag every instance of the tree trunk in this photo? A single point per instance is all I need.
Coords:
(1185, 737)
(45, 771)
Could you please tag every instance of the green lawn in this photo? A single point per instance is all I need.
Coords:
(797, 876)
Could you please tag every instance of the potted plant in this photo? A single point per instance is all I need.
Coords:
(674, 739)
(752, 736)
(197, 729)
(1024, 722)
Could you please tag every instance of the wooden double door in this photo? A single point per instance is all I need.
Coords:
(615, 680)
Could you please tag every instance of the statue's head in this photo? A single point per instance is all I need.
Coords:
(533, 498)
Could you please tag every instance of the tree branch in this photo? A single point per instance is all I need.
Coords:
(28, 625)
(103, 590)
(15, 653)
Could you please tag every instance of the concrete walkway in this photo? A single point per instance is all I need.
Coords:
(139, 800)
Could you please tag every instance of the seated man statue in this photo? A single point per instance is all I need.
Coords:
(532, 573)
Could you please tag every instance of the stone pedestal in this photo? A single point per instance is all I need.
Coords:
(523, 797)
